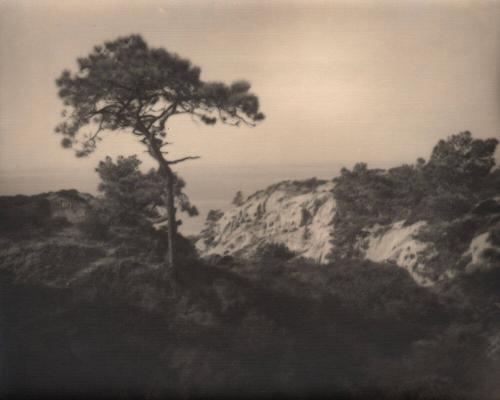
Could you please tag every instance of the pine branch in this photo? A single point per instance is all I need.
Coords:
(183, 159)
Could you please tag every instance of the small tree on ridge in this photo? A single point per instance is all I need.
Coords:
(238, 199)
(131, 196)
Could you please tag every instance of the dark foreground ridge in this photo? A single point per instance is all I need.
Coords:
(96, 319)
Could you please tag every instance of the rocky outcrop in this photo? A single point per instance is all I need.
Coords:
(296, 214)
(484, 250)
(398, 243)
(300, 215)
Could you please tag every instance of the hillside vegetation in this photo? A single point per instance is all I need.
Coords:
(89, 308)
(455, 191)
(85, 317)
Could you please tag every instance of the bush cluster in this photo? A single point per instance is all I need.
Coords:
(457, 176)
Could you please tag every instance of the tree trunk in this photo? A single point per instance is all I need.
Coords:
(172, 222)
(168, 175)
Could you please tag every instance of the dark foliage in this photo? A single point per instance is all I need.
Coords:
(120, 84)
(96, 224)
(446, 187)
(275, 252)
(238, 199)
(20, 212)
(131, 197)
(353, 331)
(461, 162)
(30, 216)
(208, 232)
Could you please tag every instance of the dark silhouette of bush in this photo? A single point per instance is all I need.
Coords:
(273, 252)
(96, 225)
(443, 206)
(486, 207)
(185, 249)
(23, 216)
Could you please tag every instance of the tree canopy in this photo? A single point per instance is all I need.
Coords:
(127, 85)
(461, 160)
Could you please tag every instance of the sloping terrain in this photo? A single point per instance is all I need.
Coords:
(85, 317)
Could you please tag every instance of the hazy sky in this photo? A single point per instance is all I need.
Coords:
(339, 81)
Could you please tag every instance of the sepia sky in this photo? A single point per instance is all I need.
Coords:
(339, 81)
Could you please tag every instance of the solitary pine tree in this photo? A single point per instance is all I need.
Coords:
(125, 85)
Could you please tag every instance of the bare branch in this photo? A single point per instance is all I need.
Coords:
(183, 159)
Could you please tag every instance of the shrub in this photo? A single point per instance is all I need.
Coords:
(444, 206)
(95, 225)
(55, 224)
(157, 244)
(275, 252)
